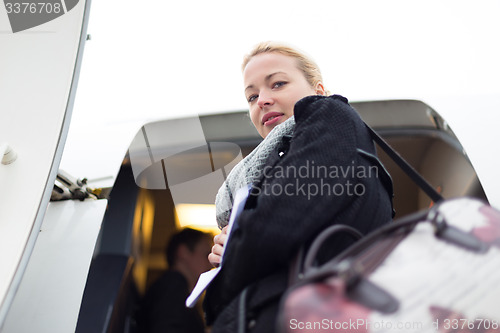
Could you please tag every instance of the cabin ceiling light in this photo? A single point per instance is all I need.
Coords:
(196, 216)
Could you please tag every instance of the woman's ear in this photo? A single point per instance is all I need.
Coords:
(319, 88)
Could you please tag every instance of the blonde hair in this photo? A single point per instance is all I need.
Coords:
(308, 67)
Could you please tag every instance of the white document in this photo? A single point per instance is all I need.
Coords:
(202, 284)
(206, 278)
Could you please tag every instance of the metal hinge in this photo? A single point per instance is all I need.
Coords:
(68, 187)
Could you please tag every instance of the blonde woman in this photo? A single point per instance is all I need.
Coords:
(316, 167)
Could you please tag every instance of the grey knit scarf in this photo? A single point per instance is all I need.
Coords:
(249, 170)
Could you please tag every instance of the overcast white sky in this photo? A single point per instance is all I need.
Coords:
(168, 58)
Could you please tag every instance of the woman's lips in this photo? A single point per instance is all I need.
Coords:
(271, 118)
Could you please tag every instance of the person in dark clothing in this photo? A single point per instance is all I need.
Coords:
(163, 308)
(317, 166)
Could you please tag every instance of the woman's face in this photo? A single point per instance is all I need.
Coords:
(273, 84)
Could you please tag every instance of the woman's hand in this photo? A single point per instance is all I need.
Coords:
(216, 255)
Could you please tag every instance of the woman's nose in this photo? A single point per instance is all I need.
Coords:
(265, 99)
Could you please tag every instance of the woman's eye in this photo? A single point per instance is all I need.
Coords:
(252, 98)
(279, 84)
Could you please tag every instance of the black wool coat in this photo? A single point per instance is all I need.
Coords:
(326, 174)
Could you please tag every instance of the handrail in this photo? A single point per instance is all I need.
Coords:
(7, 154)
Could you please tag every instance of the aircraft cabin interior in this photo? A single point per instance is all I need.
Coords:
(173, 169)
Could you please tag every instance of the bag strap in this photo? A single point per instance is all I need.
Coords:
(304, 260)
(322, 237)
(405, 166)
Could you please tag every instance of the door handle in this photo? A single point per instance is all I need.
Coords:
(7, 154)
